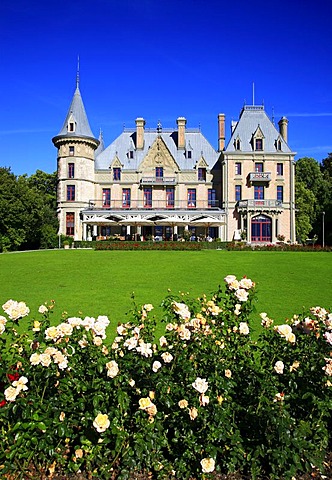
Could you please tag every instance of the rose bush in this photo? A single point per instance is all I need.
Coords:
(203, 398)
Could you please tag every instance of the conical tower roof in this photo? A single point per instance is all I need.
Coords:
(76, 123)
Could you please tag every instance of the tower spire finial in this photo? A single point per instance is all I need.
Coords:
(78, 72)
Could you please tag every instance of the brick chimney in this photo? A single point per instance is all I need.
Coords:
(283, 128)
(140, 123)
(181, 123)
(221, 132)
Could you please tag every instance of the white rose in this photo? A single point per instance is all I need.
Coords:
(279, 367)
(201, 385)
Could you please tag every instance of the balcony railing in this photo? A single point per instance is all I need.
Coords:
(158, 181)
(244, 204)
(156, 205)
(260, 177)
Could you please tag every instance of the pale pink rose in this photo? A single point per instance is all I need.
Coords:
(131, 343)
(162, 341)
(45, 359)
(328, 337)
(182, 310)
(243, 328)
(11, 394)
(156, 366)
(242, 295)
(122, 330)
(20, 384)
(228, 373)
(167, 357)
(145, 349)
(229, 279)
(279, 367)
(246, 283)
(35, 359)
(112, 369)
(42, 309)
(148, 307)
(98, 341)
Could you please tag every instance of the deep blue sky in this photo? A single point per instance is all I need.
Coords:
(161, 60)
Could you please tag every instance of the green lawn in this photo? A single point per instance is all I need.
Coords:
(102, 282)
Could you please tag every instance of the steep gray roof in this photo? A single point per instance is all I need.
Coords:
(77, 112)
(195, 142)
(251, 119)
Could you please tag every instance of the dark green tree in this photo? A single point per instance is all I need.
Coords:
(27, 211)
(309, 177)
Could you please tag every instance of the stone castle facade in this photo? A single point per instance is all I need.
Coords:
(160, 183)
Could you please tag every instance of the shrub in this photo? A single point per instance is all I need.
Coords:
(202, 398)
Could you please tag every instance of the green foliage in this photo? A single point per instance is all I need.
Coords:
(313, 197)
(27, 211)
(203, 397)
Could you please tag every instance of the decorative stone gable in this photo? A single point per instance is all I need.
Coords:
(115, 163)
(201, 163)
(158, 156)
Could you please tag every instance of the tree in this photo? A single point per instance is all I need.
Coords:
(27, 211)
(310, 178)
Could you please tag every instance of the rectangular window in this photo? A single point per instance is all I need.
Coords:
(70, 223)
(71, 151)
(259, 192)
(189, 154)
(238, 193)
(126, 197)
(258, 167)
(238, 168)
(71, 170)
(159, 172)
(106, 197)
(116, 173)
(148, 197)
(258, 144)
(280, 169)
(70, 193)
(280, 193)
(170, 197)
(202, 174)
(191, 197)
(212, 198)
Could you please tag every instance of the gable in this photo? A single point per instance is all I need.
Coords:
(158, 156)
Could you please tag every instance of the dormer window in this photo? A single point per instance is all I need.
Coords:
(189, 154)
(258, 144)
(201, 174)
(257, 141)
(116, 173)
(71, 126)
(237, 144)
(279, 145)
(130, 154)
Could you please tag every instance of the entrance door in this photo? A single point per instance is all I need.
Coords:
(261, 229)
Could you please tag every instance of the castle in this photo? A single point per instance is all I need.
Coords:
(169, 183)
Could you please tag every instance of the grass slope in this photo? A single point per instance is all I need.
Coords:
(102, 282)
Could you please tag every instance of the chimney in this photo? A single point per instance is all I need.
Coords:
(181, 123)
(140, 123)
(283, 128)
(221, 132)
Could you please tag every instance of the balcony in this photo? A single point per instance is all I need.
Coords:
(97, 204)
(158, 181)
(259, 205)
(259, 177)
